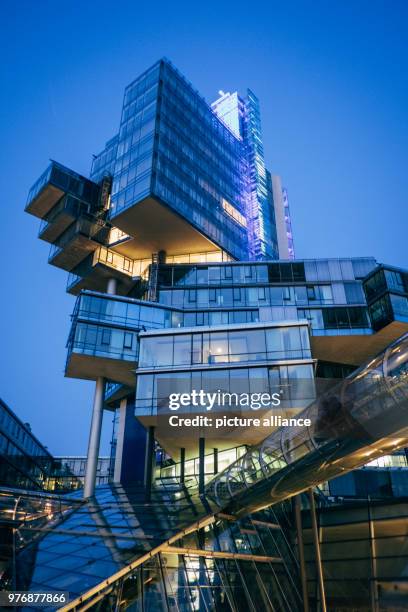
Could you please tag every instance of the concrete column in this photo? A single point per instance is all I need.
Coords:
(149, 462)
(112, 286)
(94, 438)
(201, 465)
(120, 435)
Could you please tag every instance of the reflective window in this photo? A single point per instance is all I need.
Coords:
(218, 350)
(244, 345)
(156, 351)
(394, 280)
(399, 305)
(182, 350)
(354, 293)
(247, 345)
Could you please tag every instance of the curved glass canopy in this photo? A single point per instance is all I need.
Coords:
(361, 418)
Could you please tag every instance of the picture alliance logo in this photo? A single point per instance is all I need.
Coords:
(220, 399)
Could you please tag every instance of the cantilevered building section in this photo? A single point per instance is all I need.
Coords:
(179, 248)
(179, 176)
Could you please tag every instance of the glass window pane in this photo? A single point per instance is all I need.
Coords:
(182, 350)
(157, 351)
(247, 345)
(218, 347)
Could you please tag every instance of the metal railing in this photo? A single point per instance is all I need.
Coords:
(114, 260)
(94, 229)
(68, 204)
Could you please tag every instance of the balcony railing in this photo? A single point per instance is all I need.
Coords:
(103, 341)
(69, 205)
(55, 182)
(113, 260)
(72, 280)
(88, 226)
(129, 313)
(39, 184)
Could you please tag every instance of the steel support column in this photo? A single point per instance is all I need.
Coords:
(301, 553)
(215, 460)
(94, 438)
(201, 465)
(319, 568)
(149, 461)
(182, 465)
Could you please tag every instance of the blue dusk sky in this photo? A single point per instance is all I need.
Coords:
(331, 79)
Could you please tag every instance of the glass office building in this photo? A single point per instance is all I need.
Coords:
(179, 248)
(25, 463)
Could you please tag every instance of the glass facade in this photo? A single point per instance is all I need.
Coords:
(213, 463)
(178, 220)
(77, 466)
(173, 146)
(134, 152)
(24, 462)
(241, 565)
(200, 164)
(242, 116)
(230, 109)
(362, 560)
(152, 389)
(328, 293)
(132, 314)
(103, 341)
(386, 290)
(216, 351)
(260, 211)
(320, 271)
(246, 564)
(65, 180)
(63, 213)
(177, 151)
(104, 163)
(86, 228)
(106, 327)
(249, 344)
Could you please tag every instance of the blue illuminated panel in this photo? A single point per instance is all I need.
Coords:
(260, 214)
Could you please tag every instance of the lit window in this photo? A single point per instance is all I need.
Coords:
(234, 213)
